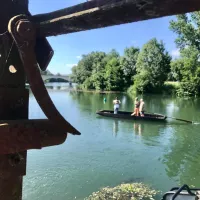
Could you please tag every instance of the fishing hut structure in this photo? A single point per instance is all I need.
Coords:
(24, 49)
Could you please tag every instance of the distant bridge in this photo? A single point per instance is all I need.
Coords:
(48, 77)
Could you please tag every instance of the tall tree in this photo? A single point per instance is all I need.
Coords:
(128, 63)
(176, 70)
(153, 66)
(187, 28)
(114, 75)
(88, 65)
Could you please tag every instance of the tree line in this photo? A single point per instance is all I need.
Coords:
(146, 70)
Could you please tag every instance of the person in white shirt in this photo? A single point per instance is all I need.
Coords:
(116, 103)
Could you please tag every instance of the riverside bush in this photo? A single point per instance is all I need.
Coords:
(133, 191)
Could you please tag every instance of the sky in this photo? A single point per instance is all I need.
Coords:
(69, 48)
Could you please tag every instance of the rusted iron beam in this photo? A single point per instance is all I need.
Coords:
(97, 14)
(20, 135)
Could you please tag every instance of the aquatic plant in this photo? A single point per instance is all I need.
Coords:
(133, 191)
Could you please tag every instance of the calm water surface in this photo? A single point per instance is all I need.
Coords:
(110, 151)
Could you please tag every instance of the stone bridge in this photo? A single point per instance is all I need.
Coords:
(48, 77)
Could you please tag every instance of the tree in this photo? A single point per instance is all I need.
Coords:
(176, 70)
(112, 54)
(87, 66)
(128, 63)
(188, 67)
(114, 75)
(153, 66)
(187, 28)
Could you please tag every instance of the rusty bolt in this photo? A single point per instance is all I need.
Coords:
(25, 29)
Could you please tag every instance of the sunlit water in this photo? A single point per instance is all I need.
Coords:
(110, 152)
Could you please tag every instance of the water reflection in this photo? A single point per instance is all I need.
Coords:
(115, 127)
(137, 129)
(182, 155)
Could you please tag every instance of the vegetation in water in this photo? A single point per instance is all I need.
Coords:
(134, 191)
(149, 69)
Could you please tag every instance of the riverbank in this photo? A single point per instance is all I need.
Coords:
(169, 88)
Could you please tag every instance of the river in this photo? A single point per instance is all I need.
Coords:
(110, 151)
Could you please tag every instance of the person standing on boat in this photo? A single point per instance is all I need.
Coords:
(137, 105)
(116, 103)
(141, 109)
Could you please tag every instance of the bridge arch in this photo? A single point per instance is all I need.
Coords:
(56, 78)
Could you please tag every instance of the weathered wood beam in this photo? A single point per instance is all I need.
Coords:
(99, 14)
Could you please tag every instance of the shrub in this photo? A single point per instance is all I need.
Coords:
(134, 191)
(171, 88)
(132, 91)
(188, 89)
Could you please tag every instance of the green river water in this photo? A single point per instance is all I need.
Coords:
(110, 152)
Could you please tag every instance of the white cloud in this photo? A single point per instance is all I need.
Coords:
(78, 57)
(175, 53)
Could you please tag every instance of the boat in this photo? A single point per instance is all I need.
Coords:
(127, 115)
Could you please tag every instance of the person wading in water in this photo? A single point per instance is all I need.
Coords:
(116, 103)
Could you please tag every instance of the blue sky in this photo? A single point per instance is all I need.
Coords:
(69, 48)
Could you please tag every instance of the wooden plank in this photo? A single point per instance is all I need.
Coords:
(92, 15)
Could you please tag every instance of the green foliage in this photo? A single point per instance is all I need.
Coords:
(176, 67)
(153, 66)
(171, 88)
(114, 75)
(147, 70)
(128, 64)
(134, 191)
(132, 91)
(188, 89)
(187, 28)
(88, 65)
(187, 68)
(99, 71)
(87, 84)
